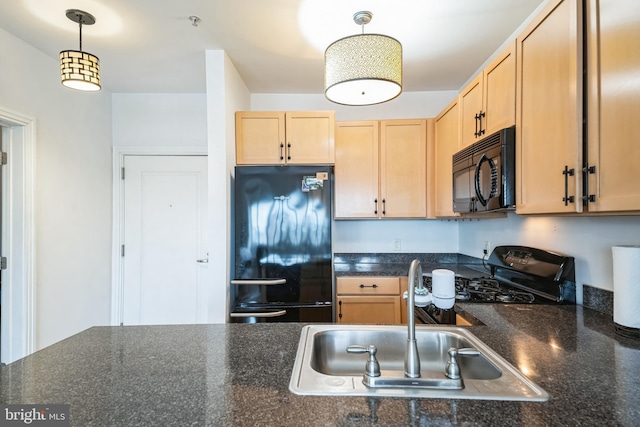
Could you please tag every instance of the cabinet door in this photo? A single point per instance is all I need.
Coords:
(488, 103)
(470, 102)
(446, 145)
(499, 92)
(403, 168)
(614, 104)
(549, 111)
(310, 137)
(356, 170)
(260, 137)
(379, 310)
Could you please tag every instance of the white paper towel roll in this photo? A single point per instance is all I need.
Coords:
(443, 288)
(626, 285)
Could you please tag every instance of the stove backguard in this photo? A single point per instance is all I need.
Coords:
(549, 275)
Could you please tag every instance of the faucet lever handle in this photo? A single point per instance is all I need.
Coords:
(452, 370)
(372, 369)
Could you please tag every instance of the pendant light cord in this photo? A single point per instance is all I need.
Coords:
(80, 24)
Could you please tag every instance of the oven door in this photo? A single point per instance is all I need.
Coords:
(463, 195)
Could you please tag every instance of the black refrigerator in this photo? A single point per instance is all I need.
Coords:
(282, 244)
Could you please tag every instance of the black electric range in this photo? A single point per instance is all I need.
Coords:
(515, 275)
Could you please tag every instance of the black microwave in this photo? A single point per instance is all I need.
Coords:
(484, 174)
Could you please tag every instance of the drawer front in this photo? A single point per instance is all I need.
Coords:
(368, 285)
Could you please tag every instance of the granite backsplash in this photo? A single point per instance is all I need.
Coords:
(404, 258)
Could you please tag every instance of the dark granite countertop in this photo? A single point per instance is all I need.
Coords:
(238, 375)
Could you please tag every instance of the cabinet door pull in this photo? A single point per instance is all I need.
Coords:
(588, 170)
(384, 206)
(375, 206)
(567, 173)
(362, 285)
(289, 151)
(281, 151)
(480, 116)
(340, 307)
(476, 133)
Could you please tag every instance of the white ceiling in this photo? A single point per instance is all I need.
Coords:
(277, 46)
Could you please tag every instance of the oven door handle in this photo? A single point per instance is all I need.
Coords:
(258, 281)
(260, 314)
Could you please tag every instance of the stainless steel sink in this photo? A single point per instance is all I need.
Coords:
(323, 366)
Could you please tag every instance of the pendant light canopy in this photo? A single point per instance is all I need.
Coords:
(363, 69)
(80, 70)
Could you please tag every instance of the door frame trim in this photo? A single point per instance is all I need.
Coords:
(19, 296)
(117, 271)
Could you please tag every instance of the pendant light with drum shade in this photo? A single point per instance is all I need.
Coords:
(363, 69)
(80, 70)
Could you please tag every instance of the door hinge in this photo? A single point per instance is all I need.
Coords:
(122, 173)
(3, 263)
(122, 251)
(3, 160)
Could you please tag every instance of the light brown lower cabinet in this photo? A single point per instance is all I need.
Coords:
(368, 300)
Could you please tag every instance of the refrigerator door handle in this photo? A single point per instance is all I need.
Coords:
(264, 314)
(259, 281)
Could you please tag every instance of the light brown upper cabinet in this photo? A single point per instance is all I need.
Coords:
(380, 169)
(297, 137)
(446, 145)
(613, 155)
(356, 169)
(403, 168)
(488, 104)
(549, 111)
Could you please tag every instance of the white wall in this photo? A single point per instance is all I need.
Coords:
(226, 94)
(588, 239)
(380, 236)
(73, 191)
(409, 105)
(159, 120)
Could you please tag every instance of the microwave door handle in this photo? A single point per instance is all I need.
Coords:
(494, 179)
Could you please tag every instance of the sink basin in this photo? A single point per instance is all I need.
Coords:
(323, 366)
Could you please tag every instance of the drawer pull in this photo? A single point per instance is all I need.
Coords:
(362, 285)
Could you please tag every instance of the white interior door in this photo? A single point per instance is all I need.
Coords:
(165, 258)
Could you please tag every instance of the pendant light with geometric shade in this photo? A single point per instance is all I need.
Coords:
(80, 70)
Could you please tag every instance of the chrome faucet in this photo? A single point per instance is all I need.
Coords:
(416, 288)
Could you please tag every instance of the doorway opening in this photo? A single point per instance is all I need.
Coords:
(17, 316)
